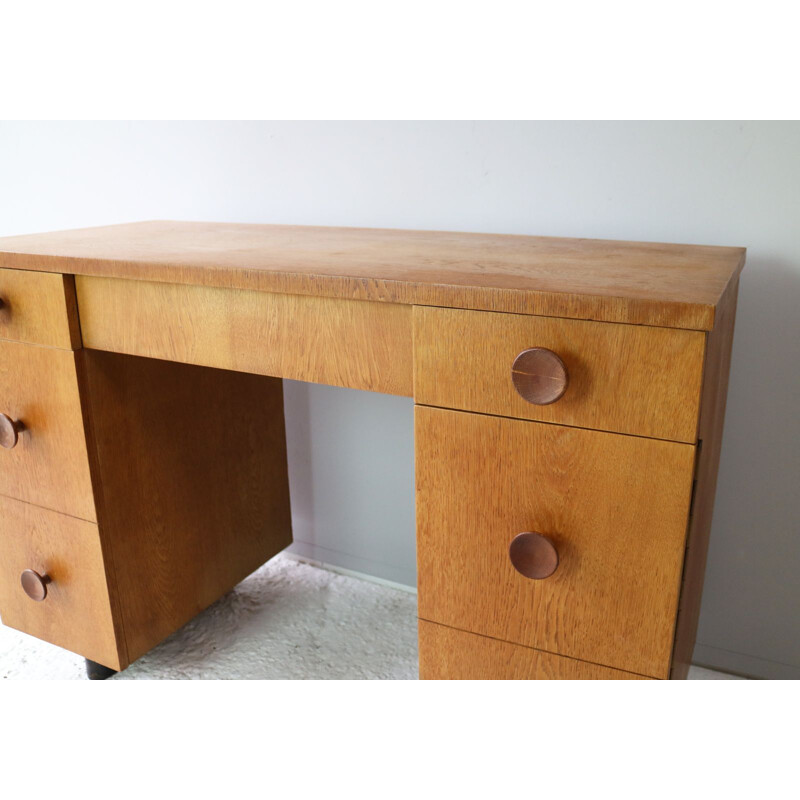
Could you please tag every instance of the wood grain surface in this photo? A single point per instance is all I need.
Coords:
(39, 308)
(615, 507)
(449, 654)
(712, 419)
(645, 283)
(49, 464)
(357, 344)
(624, 378)
(192, 485)
(77, 612)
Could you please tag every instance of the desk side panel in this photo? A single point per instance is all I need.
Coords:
(191, 484)
(712, 420)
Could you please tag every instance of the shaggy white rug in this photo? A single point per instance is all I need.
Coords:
(287, 620)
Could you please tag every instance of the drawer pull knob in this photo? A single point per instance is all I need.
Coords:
(10, 430)
(533, 555)
(34, 585)
(539, 376)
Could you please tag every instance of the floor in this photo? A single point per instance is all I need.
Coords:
(287, 620)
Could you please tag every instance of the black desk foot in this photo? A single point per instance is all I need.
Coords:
(97, 672)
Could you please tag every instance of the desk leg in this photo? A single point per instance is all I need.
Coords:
(97, 672)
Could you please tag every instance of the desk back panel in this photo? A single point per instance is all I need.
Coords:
(355, 344)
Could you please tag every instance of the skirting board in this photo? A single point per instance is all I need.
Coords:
(335, 561)
(742, 664)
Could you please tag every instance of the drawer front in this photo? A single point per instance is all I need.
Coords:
(448, 654)
(356, 344)
(39, 308)
(623, 378)
(48, 465)
(76, 612)
(613, 508)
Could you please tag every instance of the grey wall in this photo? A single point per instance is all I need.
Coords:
(351, 453)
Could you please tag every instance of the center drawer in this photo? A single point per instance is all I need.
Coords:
(611, 513)
(624, 378)
(339, 342)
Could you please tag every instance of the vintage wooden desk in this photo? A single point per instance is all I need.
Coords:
(569, 394)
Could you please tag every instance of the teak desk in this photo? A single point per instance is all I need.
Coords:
(569, 394)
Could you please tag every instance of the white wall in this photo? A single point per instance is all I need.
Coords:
(352, 453)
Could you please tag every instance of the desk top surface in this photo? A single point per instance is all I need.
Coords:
(632, 282)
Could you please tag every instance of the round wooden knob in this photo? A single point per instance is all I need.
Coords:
(533, 555)
(34, 585)
(539, 375)
(9, 431)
